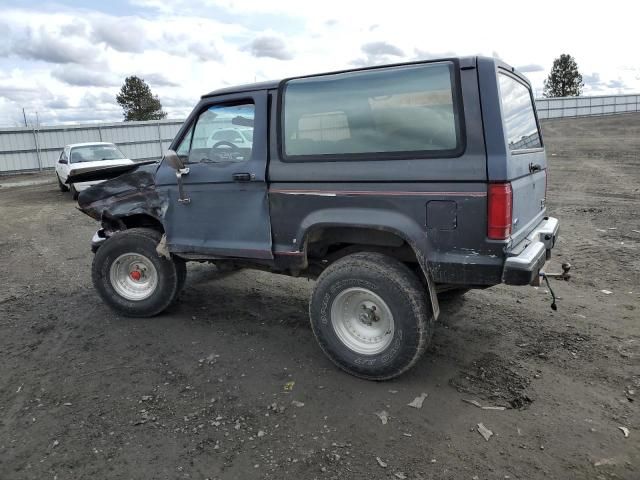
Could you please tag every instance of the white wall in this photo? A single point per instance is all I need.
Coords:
(23, 148)
(586, 106)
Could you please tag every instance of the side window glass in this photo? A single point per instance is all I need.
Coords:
(400, 110)
(183, 148)
(517, 110)
(223, 133)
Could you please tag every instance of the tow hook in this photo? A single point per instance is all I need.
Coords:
(565, 275)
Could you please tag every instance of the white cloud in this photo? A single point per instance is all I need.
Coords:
(124, 34)
(45, 43)
(270, 47)
(81, 76)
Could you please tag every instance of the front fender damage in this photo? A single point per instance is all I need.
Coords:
(132, 197)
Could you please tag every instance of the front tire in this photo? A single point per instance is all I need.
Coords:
(132, 278)
(370, 316)
(74, 192)
(61, 186)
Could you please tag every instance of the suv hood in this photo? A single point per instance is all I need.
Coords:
(102, 169)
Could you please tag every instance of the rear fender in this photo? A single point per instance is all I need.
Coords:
(389, 221)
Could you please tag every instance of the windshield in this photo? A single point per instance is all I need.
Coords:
(248, 134)
(227, 136)
(95, 153)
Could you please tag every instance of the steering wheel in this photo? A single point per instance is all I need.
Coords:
(229, 153)
(224, 143)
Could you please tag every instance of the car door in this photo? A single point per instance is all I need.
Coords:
(224, 210)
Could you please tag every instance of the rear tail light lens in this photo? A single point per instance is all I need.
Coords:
(500, 205)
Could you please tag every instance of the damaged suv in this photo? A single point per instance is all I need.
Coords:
(388, 185)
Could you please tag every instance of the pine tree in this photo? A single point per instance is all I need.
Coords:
(564, 80)
(138, 102)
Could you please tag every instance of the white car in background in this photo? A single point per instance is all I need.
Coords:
(80, 157)
(239, 137)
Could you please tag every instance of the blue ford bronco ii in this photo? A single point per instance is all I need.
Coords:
(391, 186)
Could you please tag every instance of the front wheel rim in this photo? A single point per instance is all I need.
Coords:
(362, 321)
(133, 276)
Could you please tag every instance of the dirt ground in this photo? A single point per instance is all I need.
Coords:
(206, 389)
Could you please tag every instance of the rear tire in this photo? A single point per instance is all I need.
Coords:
(370, 316)
(132, 278)
(61, 186)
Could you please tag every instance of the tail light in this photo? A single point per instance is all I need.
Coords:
(500, 204)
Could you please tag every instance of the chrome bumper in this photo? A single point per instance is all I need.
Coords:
(524, 268)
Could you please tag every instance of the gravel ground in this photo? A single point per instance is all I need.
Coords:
(230, 384)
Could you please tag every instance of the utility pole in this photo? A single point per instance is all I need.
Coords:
(24, 116)
(35, 134)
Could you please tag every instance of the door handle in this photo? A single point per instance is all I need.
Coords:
(243, 177)
(534, 167)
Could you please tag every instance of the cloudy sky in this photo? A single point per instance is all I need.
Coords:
(67, 59)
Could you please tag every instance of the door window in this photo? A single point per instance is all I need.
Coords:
(222, 134)
(185, 145)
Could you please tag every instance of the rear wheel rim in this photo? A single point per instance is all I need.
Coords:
(362, 321)
(133, 276)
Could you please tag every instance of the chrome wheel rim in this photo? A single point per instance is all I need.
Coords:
(362, 321)
(133, 276)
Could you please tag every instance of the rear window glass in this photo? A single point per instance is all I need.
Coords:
(389, 110)
(519, 119)
(95, 153)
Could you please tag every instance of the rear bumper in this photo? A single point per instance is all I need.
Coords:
(527, 258)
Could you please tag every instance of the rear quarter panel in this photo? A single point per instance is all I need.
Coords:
(503, 165)
(394, 195)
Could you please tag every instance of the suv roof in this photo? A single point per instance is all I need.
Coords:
(271, 84)
(248, 87)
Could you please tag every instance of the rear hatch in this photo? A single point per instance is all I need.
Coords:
(526, 168)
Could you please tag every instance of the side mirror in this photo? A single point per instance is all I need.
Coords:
(62, 160)
(173, 160)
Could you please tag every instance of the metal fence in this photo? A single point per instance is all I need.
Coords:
(26, 148)
(585, 106)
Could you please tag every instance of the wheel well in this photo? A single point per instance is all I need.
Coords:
(327, 244)
(137, 221)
